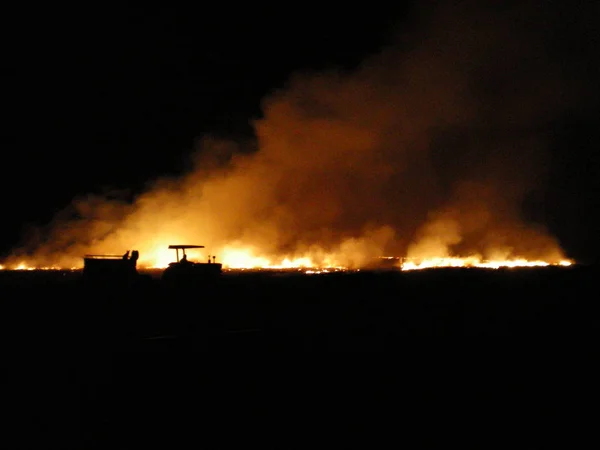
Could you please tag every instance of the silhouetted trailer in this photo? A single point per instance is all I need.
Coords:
(110, 267)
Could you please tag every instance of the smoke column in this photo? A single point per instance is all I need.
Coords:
(427, 149)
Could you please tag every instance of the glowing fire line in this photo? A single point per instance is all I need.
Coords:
(237, 259)
(473, 262)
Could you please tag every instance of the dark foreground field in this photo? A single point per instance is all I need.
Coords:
(77, 384)
(352, 311)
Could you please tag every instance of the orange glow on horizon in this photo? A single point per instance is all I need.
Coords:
(433, 263)
(240, 258)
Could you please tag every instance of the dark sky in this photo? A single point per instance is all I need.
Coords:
(97, 97)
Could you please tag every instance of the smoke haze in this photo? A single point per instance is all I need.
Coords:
(427, 149)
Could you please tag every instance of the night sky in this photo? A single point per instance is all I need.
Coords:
(97, 98)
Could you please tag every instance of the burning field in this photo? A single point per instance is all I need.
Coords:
(429, 150)
(305, 265)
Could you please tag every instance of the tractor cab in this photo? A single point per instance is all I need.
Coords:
(184, 270)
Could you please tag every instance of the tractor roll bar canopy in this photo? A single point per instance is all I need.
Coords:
(183, 247)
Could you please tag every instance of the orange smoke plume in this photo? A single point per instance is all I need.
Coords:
(426, 150)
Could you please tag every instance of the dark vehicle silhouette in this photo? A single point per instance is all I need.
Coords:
(111, 267)
(184, 272)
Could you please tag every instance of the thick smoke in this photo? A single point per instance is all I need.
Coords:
(428, 149)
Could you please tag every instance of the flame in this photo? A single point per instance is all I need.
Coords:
(246, 258)
(431, 263)
(155, 254)
(23, 266)
(239, 258)
(158, 258)
(29, 267)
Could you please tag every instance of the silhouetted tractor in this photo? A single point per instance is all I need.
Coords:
(185, 273)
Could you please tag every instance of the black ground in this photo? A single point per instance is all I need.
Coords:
(79, 380)
(264, 310)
